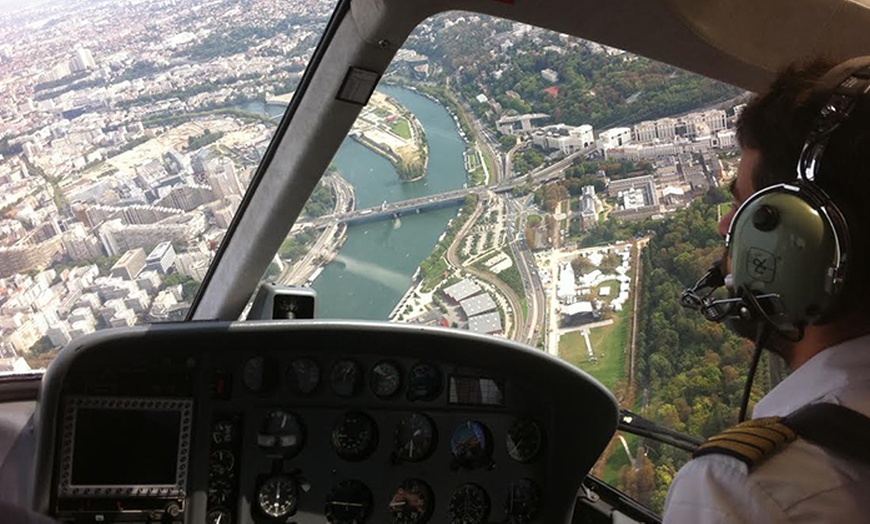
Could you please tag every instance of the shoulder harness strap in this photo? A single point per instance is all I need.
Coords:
(751, 441)
(836, 428)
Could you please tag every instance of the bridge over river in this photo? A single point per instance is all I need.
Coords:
(440, 200)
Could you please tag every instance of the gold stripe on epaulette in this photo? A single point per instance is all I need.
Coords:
(759, 441)
(750, 442)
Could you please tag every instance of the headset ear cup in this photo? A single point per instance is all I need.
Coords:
(786, 249)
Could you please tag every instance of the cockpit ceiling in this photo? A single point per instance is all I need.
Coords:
(742, 42)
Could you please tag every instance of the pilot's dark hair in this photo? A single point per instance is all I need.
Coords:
(777, 122)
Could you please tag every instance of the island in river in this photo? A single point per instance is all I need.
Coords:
(389, 129)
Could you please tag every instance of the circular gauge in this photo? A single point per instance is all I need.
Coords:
(220, 490)
(345, 378)
(223, 432)
(424, 382)
(277, 496)
(348, 502)
(415, 438)
(386, 379)
(355, 436)
(281, 434)
(411, 503)
(218, 516)
(221, 463)
(470, 445)
(523, 501)
(259, 375)
(469, 505)
(524, 440)
(303, 376)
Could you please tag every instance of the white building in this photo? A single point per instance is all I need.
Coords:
(566, 290)
(644, 132)
(193, 264)
(82, 60)
(564, 138)
(550, 76)
(616, 137)
(161, 258)
(726, 139)
(222, 178)
(666, 128)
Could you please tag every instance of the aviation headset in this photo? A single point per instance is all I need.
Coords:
(789, 244)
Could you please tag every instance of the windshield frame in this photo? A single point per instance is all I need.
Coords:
(264, 169)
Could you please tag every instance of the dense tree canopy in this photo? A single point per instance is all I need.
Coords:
(691, 371)
(604, 89)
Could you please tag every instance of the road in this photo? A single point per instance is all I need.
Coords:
(509, 159)
(328, 240)
(525, 262)
(485, 142)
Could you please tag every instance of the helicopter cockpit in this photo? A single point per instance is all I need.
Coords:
(371, 260)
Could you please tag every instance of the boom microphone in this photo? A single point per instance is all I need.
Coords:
(698, 298)
(741, 303)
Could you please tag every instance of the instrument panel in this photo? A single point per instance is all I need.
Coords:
(311, 421)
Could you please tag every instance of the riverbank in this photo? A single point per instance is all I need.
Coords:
(462, 126)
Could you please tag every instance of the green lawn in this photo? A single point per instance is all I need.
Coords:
(608, 343)
(614, 290)
(473, 159)
(476, 176)
(618, 459)
(400, 127)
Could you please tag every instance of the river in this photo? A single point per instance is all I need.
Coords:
(375, 265)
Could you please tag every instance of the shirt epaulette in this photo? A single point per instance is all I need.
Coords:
(752, 442)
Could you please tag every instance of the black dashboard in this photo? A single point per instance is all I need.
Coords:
(312, 421)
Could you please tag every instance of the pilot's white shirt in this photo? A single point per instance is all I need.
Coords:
(802, 483)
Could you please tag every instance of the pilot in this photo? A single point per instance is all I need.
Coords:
(798, 270)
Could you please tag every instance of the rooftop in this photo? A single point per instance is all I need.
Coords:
(477, 305)
(462, 290)
(486, 323)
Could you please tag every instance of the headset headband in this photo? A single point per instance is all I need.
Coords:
(854, 83)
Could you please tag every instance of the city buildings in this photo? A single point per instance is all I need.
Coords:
(129, 265)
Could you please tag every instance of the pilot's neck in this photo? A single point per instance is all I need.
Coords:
(820, 337)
